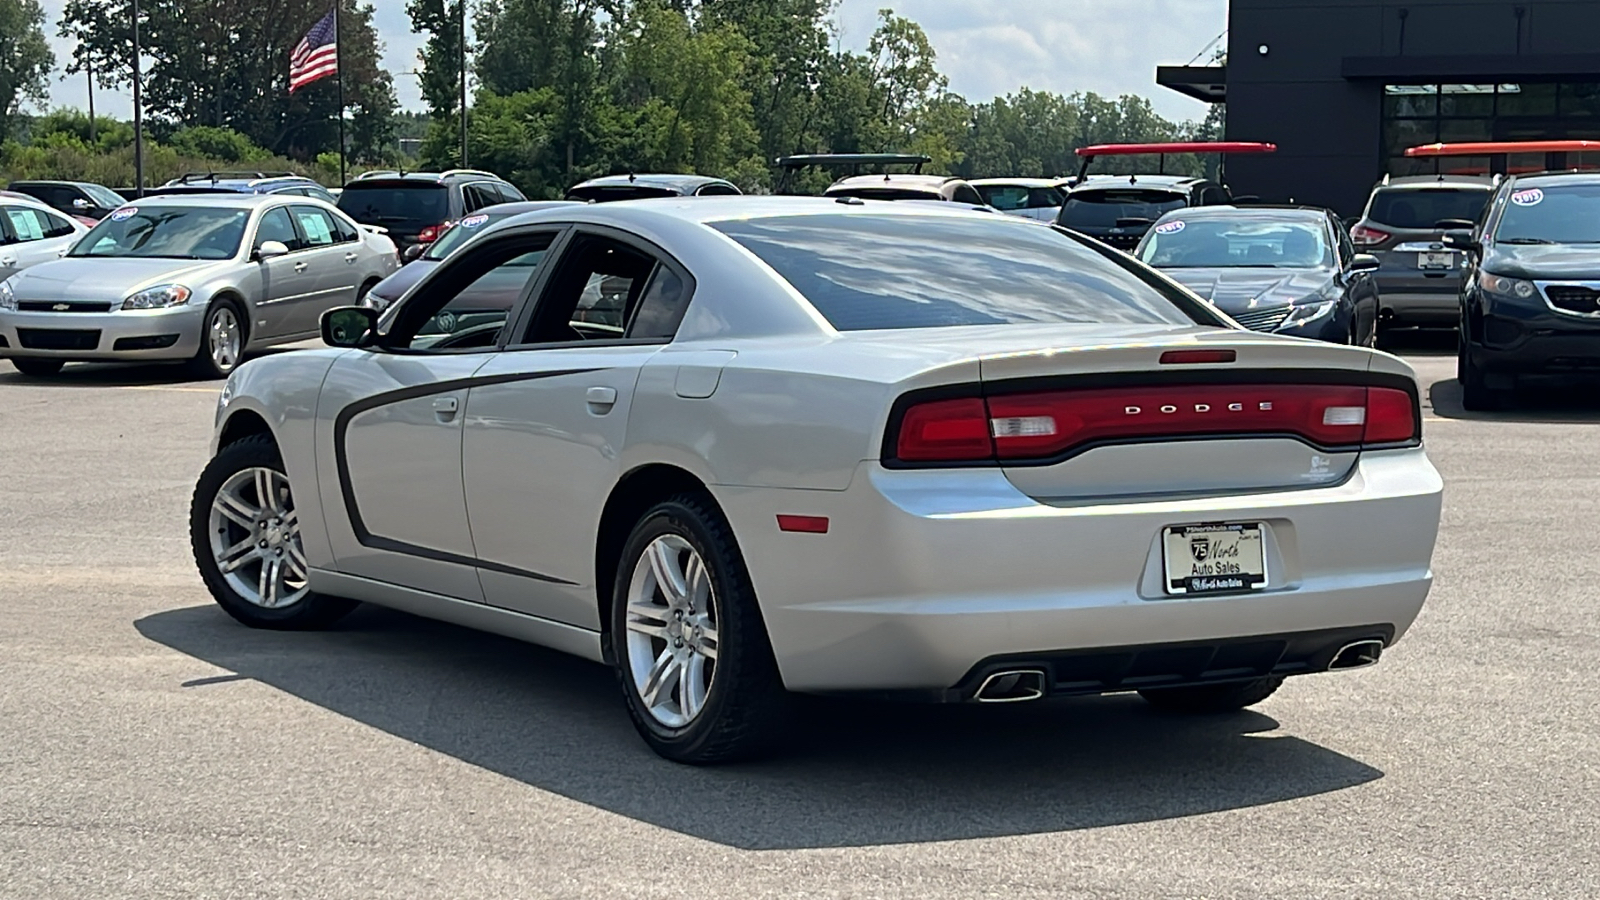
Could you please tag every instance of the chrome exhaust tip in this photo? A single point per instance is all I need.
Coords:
(1011, 686)
(1358, 655)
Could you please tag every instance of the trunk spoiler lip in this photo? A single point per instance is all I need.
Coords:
(1223, 374)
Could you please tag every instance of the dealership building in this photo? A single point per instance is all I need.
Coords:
(1344, 86)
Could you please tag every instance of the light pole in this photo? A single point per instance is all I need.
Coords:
(138, 112)
(462, 10)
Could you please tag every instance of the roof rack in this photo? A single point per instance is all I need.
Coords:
(192, 177)
(1162, 150)
(448, 172)
(789, 165)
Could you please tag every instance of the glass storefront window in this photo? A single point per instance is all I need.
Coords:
(1532, 100)
(1416, 114)
(1580, 100)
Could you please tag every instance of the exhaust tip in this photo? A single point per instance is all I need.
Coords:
(1011, 686)
(1358, 655)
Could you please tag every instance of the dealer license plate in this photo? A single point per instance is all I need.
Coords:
(1214, 559)
(1436, 260)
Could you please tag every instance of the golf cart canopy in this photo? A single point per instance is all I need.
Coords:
(1163, 150)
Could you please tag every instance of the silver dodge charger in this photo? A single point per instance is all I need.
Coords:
(199, 278)
(806, 445)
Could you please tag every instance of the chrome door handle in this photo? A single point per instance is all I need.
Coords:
(8, 260)
(445, 407)
(299, 267)
(601, 399)
(349, 257)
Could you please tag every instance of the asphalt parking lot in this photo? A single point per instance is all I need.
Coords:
(154, 748)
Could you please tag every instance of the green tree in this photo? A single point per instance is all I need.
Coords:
(25, 59)
(441, 55)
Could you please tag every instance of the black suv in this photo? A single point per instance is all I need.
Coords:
(1404, 225)
(80, 199)
(1119, 209)
(416, 207)
(1530, 294)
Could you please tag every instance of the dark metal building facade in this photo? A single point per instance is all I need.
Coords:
(1343, 86)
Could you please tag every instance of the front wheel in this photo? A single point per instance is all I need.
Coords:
(1212, 698)
(222, 338)
(244, 530)
(1476, 394)
(692, 654)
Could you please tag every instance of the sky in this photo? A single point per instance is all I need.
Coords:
(986, 48)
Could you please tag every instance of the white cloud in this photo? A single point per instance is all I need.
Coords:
(986, 48)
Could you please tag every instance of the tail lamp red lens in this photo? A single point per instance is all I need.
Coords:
(1044, 425)
(1365, 236)
(431, 233)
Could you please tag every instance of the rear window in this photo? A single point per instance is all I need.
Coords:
(1013, 197)
(454, 237)
(398, 207)
(884, 193)
(1423, 207)
(1102, 209)
(864, 272)
(611, 193)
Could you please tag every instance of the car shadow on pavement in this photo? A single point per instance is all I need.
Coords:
(1555, 406)
(856, 773)
(101, 375)
(1419, 341)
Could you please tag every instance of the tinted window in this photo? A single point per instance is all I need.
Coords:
(886, 271)
(1222, 243)
(276, 226)
(509, 193)
(965, 194)
(477, 196)
(886, 193)
(1421, 208)
(718, 190)
(1102, 209)
(344, 230)
(599, 281)
(608, 193)
(1214, 196)
(175, 232)
(316, 225)
(661, 308)
(407, 208)
(103, 197)
(471, 317)
(1558, 214)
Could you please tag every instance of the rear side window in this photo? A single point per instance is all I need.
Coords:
(407, 208)
(316, 225)
(1102, 209)
(1424, 207)
(882, 271)
(717, 190)
(964, 193)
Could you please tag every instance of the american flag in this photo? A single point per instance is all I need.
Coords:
(316, 56)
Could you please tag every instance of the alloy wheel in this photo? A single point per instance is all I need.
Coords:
(671, 620)
(255, 538)
(222, 338)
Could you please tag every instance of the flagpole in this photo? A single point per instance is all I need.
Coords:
(463, 10)
(338, 74)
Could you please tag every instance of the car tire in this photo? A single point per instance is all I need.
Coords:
(1476, 395)
(264, 585)
(1212, 698)
(708, 708)
(225, 322)
(37, 368)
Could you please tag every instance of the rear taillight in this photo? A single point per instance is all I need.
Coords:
(1052, 424)
(431, 233)
(1367, 236)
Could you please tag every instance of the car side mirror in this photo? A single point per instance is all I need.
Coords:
(270, 250)
(1350, 221)
(1364, 262)
(350, 326)
(1462, 240)
(80, 203)
(413, 253)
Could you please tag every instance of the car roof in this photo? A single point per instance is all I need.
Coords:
(49, 181)
(1018, 182)
(685, 184)
(20, 199)
(449, 176)
(524, 206)
(1121, 181)
(664, 211)
(1568, 177)
(225, 199)
(930, 182)
(1224, 211)
(1442, 180)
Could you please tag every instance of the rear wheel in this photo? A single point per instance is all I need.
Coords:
(692, 654)
(1212, 698)
(37, 368)
(244, 530)
(222, 338)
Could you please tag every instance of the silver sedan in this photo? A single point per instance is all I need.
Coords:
(742, 448)
(202, 279)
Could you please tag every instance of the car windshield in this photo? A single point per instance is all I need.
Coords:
(460, 233)
(1010, 197)
(170, 232)
(1102, 208)
(1423, 207)
(400, 207)
(1558, 214)
(1222, 243)
(888, 271)
(103, 197)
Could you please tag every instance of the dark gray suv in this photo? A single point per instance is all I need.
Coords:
(1404, 226)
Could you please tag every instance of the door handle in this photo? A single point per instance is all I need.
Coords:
(445, 408)
(601, 399)
(300, 267)
(349, 257)
(8, 260)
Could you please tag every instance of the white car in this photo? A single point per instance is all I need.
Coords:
(830, 447)
(1039, 199)
(32, 233)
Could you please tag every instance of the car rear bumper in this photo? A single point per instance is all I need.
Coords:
(1421, 308)
(123, 335)
(926, 577)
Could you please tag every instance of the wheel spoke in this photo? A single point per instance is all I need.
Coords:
(664, 563)
(708, 640)
(238, 555)
(692, 686)
(663, 676)
(697, 583)
(236, 509)
(264, 493)
(269, 582)
(295, 560)
(646, 628)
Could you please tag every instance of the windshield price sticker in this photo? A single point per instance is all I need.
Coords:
(474, 221)
(1529, 197)
(1172, 227)
(127, 212)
